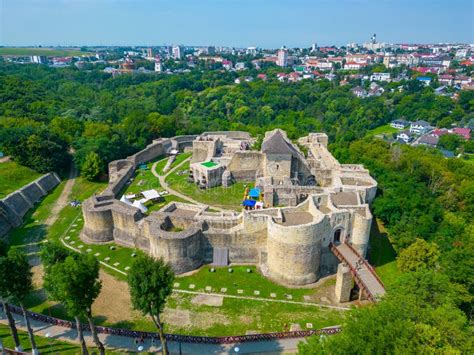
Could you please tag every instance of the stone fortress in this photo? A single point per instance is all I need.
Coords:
(311, 202)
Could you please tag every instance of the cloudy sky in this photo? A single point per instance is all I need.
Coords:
(240, 23)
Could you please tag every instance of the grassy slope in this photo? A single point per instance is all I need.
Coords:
(162, 163)
(382, 254)
(49, 52)
(219, 196)
(45, 346)
(385, 129)
(13, 176)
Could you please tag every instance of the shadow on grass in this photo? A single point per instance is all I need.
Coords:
(381, 250)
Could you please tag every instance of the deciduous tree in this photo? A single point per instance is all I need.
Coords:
(151, 282)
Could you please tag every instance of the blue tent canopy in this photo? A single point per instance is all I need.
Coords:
(254, 193)
(249, 203)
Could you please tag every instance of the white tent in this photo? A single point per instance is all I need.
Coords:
(126, 200)
(150, 194)
(140, 206)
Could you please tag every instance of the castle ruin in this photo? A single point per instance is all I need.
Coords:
(312, 202)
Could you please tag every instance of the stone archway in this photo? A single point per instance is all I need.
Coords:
(337, 236)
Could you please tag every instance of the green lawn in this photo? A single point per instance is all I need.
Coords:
(162, 163)
(145, 180)
(229, 198)
(239, 316)
(240, 279)
(382, 254)
(385, 130)
(48, 52)
(45, 345)
(13, 176)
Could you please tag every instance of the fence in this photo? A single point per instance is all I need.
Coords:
(178, 337)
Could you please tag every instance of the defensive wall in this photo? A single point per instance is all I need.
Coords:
(14, 206)
(290, 245)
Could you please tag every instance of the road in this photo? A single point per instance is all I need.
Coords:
(125, 343)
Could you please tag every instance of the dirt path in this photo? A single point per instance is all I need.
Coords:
(61, 202)
(33, 248)
(164, 184)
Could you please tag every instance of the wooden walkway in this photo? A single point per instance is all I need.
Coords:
(363, 273)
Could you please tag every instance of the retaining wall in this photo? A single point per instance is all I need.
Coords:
(14, 206)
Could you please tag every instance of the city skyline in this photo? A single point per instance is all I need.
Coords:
(252, 23)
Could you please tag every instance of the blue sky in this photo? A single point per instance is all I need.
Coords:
(240, 23)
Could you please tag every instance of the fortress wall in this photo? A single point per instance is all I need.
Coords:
(278, 166)
(245, 164)
(126, 228)
(151, 151)
(243, 246)
(229, 134)
(98, 224)
(15, 205)
(294, 252)
(18, 203)
(203, 150)
(321, 154)
(116, 186)
(182, 250)
(48, 182)
(32, 192)
(6, 222)
(361, 232)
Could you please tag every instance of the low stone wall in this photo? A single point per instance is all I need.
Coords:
(14, 206)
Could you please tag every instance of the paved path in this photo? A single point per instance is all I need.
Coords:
(164, 184)
(364, 272)
(127, 343)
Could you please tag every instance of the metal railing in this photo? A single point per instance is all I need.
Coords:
(178, 337)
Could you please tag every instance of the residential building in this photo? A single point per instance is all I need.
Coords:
(463, 132)
(251, 51)
(178, 52)
(359, 91)
(240, 66)
(426, 80)
(399, 124)
(354, 66)
(227, 64)
(420, 127)
(282, 60)
(429, 140)
(380, 77)
(405, 136)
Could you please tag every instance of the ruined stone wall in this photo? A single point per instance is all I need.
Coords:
(245, 165)
(229, 134)
(361, 231)
(151, 151)
(278, 166)
(14, 206)
(203, 150)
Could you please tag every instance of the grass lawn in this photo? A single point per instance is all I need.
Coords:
(385, 130)
(145, 180)
(45, 345)
(229, 198)
(382, 254)
(48, 52)
(162, 163)
(239, 316)
(13, 176)
(240, 279)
